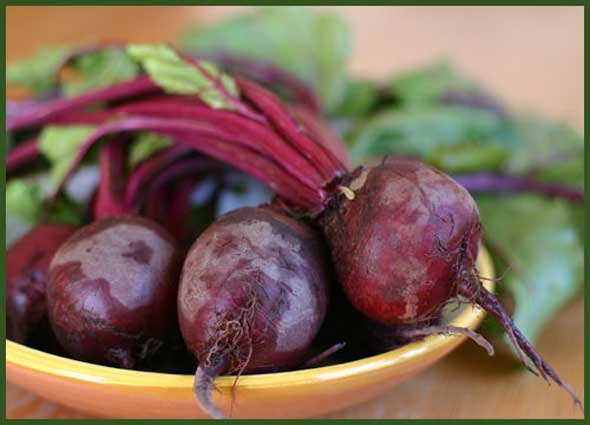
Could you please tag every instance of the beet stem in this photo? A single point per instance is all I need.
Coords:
(410, 334)
(40, 113)
(268, 74)
(206, 140)
(477, 293)
(314, 152)
(22, 154)
(145, 172)
(487, 182)
(203, 387)
(112, 162)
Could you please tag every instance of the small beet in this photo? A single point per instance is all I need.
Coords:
(112, 290)
(27, 264)
(252, 297)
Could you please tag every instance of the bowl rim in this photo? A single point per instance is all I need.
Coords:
(21, 356)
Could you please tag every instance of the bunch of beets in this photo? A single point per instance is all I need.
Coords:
(253, 291)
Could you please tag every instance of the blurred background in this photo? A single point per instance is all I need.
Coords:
(531, 57)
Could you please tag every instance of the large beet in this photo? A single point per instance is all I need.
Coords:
(112, 290)
(27, 264)
(400, 241)
(252, 296)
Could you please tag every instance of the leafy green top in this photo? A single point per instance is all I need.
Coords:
(176, 75)
(311, 45)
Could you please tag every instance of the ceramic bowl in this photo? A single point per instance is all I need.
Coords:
(108, 392)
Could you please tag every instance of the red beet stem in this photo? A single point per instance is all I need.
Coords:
(240, 107)
(504, 183)
(145, 172)
(249, 133)
(257, 166)
(39, 114)
(207, 140)
(317, 154)
(112, 164)
(477, 293)
(22, 154)
(16, 107)
(267, 74)
(180, 207)
(319, 131)
(176, 184)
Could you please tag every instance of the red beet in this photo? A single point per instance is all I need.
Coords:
(27, 264)
(111, 294)
(406, 245)
(112, 290)
(252, 296)
(398, 242)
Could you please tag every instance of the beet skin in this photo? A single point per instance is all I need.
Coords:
(252, 297)
(27, 264)
(397, 245)
(112, 290)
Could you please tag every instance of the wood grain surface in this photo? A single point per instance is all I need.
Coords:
(532, 57)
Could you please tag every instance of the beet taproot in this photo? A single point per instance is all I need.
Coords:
(252, 296)
(27, 266)
(112, 289)
(399, 241)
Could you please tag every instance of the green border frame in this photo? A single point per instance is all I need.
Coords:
(8, 3)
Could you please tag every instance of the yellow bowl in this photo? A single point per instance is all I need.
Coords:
(108, 392)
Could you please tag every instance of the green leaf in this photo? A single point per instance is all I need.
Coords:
(454, 138)
(23, 200)
(101, 69)
(311, 45)
(359, 98)
(550, 151)
(59, 144)
(428, 84)
(544, 251)
(145, 145)
(37, 73)
(66, 211)
(175, 75)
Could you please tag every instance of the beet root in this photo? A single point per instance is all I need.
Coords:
(252, 296)
(398, 242)
(406, 243)
(111, 294)
(27, 265)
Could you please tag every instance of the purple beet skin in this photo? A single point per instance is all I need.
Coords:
(112, 291)
(252, 297)
(27, 264)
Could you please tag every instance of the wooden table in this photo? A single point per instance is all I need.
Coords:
(531, 57)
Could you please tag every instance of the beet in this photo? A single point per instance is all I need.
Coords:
(112, 285)
(406, 245)
(112, 289)
(27, 264)
(252, 296)
(403, 274)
